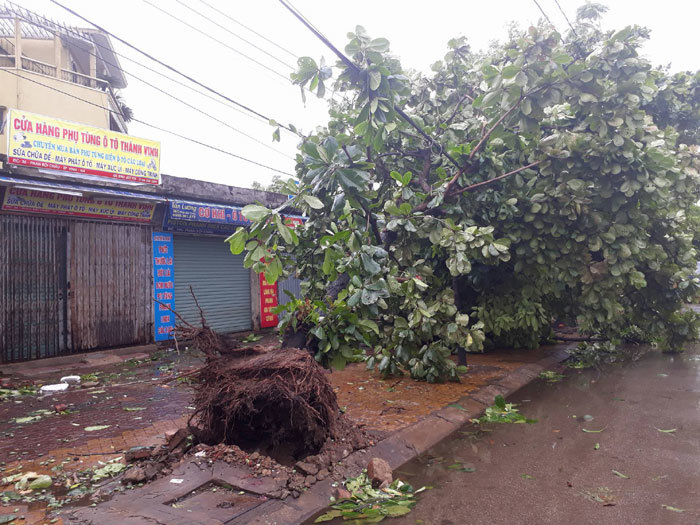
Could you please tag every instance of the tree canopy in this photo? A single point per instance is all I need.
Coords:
(545, 177)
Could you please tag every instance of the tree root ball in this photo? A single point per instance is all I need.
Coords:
(280, 397)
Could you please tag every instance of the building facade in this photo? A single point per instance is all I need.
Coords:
(87, 260)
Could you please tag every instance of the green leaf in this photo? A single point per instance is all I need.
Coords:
(576, 184)
(672, 509)
(284, 231)
(370, 265)
(368, 323)
(254, 212)
(338, 362)
(562, 58)
(313, 202)
(375, 79)
(510, 71)
(500, 402)
(276, 135)
(329, 516)
(593, 431)
(380, 45)
(237, 241)
(397, 510)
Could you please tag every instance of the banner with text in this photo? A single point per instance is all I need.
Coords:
(163, 286)
(45, 142)
(35, 201)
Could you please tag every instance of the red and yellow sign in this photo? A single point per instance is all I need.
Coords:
(17, 199)
(45, 142)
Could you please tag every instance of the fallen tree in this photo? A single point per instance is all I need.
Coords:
(545, 177)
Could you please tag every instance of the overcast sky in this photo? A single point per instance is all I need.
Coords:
(418, 32)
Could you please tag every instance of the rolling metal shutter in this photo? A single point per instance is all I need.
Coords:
(292, 285)
(219, 281)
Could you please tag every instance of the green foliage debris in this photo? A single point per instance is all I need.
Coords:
(502, 412)
(368, 505)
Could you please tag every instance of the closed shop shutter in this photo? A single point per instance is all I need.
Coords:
(111, 285)
(218, 279)
(292, 285)
(32, 288)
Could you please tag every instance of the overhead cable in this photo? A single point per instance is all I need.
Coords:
(171, 68)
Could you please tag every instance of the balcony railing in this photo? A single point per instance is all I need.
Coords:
(7, 60)
(83, 80)
(38, 66)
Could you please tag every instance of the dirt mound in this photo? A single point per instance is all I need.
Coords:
(280, 397)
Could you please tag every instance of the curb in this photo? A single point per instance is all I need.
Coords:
(397, 449)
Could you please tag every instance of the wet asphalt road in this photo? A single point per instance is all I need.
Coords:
(555, 472)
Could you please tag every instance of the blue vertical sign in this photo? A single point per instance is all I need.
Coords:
(163, 285)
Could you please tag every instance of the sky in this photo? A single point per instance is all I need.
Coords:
(211, 51)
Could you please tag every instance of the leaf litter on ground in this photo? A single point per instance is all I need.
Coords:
(550, 376)
(620, 474)
(460, 467)
(668, 431)
(369, 505)
(589, 431)
(502, 412)
(673, 509)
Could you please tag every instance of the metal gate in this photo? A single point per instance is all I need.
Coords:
(33, 312)
(218, 279)
(111, 285)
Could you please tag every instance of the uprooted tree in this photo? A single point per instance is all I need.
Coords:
(546, 176)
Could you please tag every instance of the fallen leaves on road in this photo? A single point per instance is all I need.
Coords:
(368, 505)
(589, 431)
(96, 428)
(669, 431)
(672, 509)
(461, 468)
(620, 474)
(603, 495)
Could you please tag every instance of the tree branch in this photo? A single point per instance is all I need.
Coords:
(489, 181)
(454, 113)
(492, 128)
(423, 177)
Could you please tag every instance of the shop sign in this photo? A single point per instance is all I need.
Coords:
(203, 218)
(269, 294)
(268, 301)
(36, 201)
(163, 285)
(44, 142)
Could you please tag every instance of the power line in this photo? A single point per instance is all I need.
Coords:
(35, 18)
(196, 29)
(221, 42)
(356, 68)
(171, 68)
(249, 29)
(164, 130)
(566, 18)
(544, 14)
(217, 24)
(184, 102)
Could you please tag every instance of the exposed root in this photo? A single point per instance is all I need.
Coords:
(282, 397)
